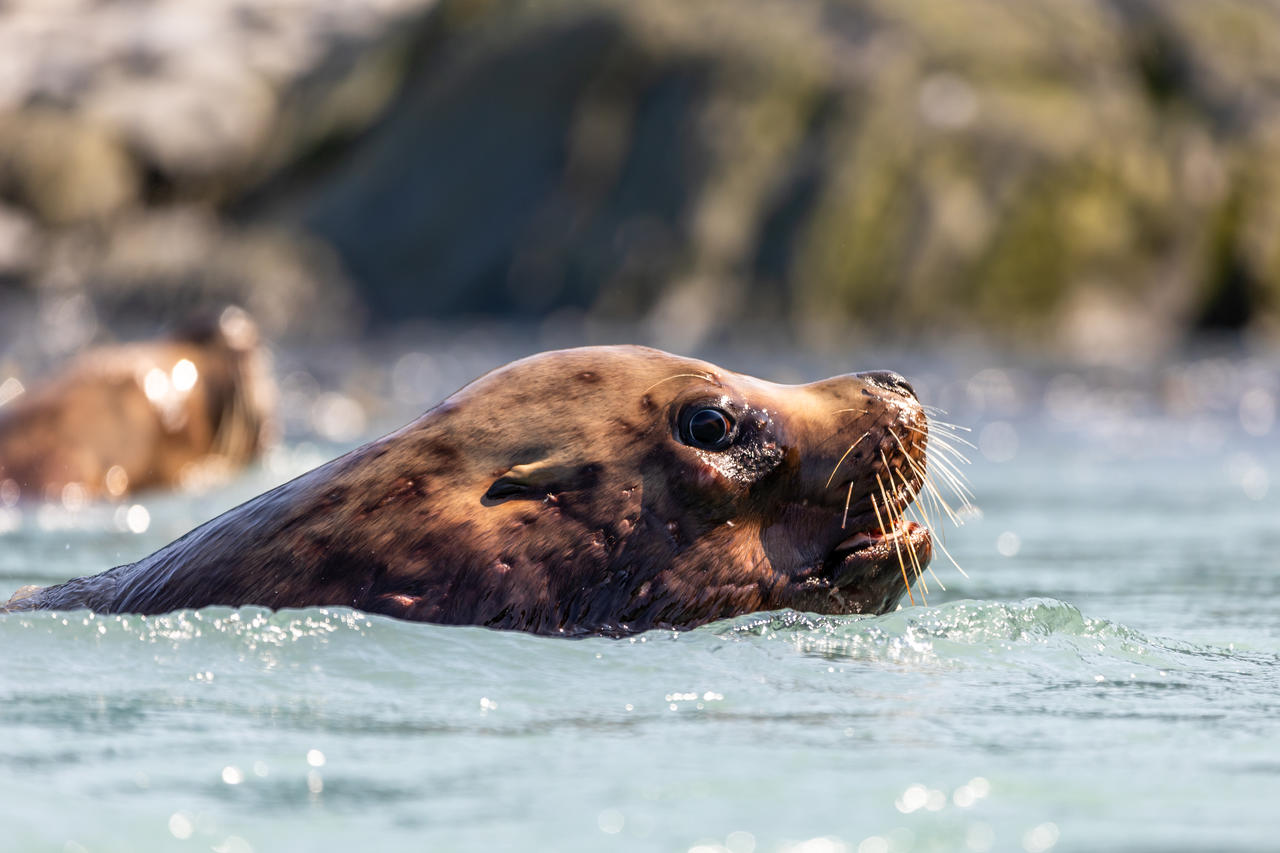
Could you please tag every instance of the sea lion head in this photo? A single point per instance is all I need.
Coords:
(615, 489)
(183, 410)
(235, 378)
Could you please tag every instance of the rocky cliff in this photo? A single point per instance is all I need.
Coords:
(1101, 174)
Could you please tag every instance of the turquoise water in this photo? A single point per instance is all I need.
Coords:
(1106, 679)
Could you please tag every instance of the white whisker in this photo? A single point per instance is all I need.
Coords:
(846, 456)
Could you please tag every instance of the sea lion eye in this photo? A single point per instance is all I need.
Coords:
(707, 428)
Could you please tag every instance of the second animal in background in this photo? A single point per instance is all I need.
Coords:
(178, 412)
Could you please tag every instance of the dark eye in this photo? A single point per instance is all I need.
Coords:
(707, 428)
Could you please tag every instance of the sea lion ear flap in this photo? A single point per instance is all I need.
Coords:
(536, 480)
(531, 480)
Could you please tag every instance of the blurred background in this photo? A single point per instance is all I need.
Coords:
(1097, 181)
(1059, 218)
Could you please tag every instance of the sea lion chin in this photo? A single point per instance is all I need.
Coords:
(601, 490)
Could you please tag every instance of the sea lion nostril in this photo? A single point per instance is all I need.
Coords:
(889, 381)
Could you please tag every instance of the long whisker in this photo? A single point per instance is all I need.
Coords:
(915, 562)
(920, 506)
(953, 480)
(946, 440)
(896, 515)
(939, 506)
(930, 490)
(905, 455)
(846, 456)
(901, 565)
(939, 501)
(936, 579)
(911, 492)
(916, 511)
(937, 433)
(938, 449)
(931, 494)
(962, 572)
(933, 421)
(897, 547)
(942, 444)
(944, 462)
(906, 484)
(922, 516)
(965, 507)
(847, 498)
(704, 376)
(925, 487)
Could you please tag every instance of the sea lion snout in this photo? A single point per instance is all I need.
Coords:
(851, 428)
(889, 381)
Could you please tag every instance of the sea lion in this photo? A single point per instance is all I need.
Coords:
(158, 414)
(602, 490)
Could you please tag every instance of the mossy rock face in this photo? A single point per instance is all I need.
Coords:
(157, 118)
(873, 165)
(822, 167)
(63, 168)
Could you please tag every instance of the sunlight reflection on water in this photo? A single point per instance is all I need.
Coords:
(1102, 679)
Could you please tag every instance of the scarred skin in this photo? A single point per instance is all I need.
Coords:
(560, 494)
(97, 415)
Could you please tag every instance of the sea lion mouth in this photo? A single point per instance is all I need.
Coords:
(907, 547)
(884, 549)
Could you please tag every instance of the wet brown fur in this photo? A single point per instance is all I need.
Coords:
(576, 511)
(96, 415)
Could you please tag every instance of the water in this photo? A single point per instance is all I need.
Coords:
(1105, 679)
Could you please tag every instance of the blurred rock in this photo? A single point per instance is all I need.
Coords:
(1053, 173)
(128, 129)
(64, 168)
(1101, 175)
(18, 240)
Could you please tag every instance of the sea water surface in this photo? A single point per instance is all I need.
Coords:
(1106, 678)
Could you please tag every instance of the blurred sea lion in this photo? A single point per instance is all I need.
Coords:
(162, 414)
(602, 490)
